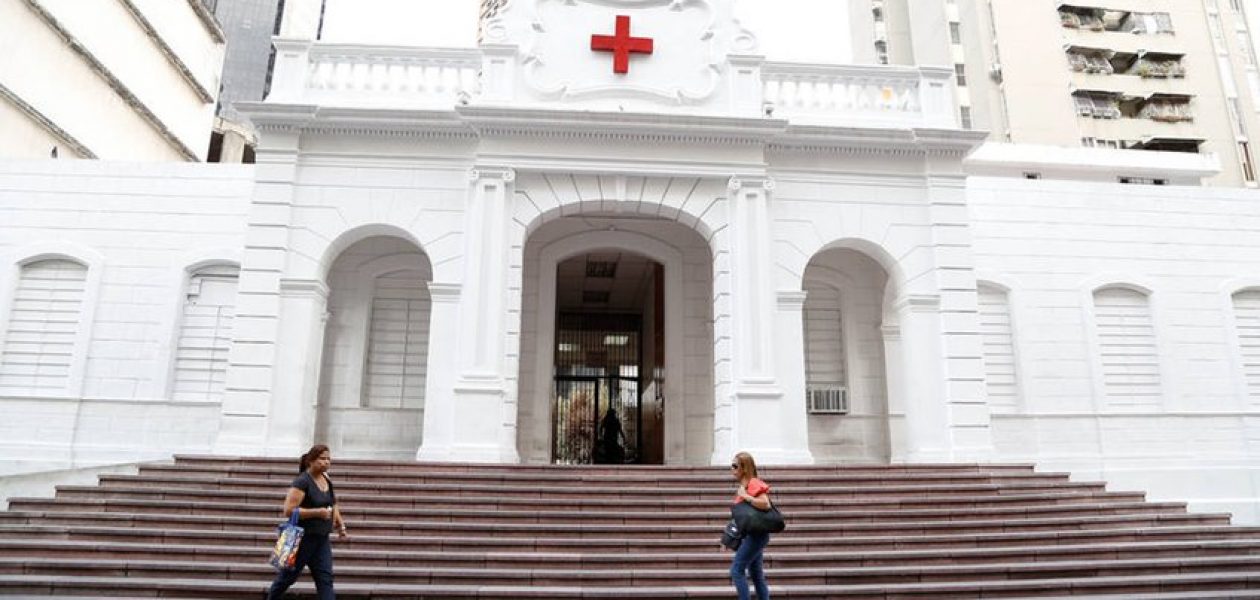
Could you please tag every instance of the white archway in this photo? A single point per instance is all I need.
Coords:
(550, 257)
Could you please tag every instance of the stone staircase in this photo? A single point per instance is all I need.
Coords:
(202, 528)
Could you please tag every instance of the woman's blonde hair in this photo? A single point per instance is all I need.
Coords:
(746, 465)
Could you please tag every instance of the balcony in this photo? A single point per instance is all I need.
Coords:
(397, 78)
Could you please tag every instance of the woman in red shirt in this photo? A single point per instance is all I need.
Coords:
(747, 561)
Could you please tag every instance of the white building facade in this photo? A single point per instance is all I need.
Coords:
(473, 255)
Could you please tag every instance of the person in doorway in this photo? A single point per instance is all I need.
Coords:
(747, 561)
(313, 495)
(611, 437)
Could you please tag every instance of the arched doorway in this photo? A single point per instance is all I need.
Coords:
(845, 358)
(616, 314)
(376, 343)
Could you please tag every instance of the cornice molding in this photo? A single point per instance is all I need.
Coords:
(304, 288)
(491, 121)
(112, 80)
(168, 52)
(46, 123)
(312, 119)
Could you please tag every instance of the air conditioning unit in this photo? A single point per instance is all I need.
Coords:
(828, 400)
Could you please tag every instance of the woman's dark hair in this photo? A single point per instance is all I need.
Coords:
(310, 456)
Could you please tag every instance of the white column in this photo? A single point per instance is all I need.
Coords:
(923, 375)
(894, 375)
(247, 398)
(480, 394)
(439, 385)
(757, 401)
(790, 362)
(961, 350)
(303, 315)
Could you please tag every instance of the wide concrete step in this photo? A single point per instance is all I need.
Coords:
(870, 539)
(594, 492)
(201, 588)
(1122, 504)
(532, 559)
(421, 474)
(640, 531)
(714, 576)
(207, 528)
(291, 464)
(639, 502)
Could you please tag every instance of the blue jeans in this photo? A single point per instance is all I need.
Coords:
(747, 563)
(314, 552)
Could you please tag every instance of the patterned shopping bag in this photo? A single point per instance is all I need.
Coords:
(284, 555)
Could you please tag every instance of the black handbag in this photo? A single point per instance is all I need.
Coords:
(750, 519)
(731, 537)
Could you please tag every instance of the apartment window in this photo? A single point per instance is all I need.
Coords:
(964, 115)
(1166, 110)
(881, 52)
(1088, 60)
(955, 33)
(1099, 105)
(1249, 169)
(960, 75)
(1235, 5)
(1142, 181)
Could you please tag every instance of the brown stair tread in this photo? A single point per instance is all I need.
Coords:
(201, 527)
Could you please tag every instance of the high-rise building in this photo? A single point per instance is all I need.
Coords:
(1143, 75)
(1154, 75)
(249, 26)
(129, 80)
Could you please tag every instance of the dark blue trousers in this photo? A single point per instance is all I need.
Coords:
(747, 565)
(315, 552)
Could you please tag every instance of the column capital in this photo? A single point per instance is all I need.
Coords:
(492, 172)
(303, 288)
(754, 182)
(792, 299)
(918, 303)
(444, 292)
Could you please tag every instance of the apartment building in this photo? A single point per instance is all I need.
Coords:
(1154, 75)
(109, 79)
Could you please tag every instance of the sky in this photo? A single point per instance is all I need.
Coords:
(453, 23)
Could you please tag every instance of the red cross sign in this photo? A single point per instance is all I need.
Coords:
(621, 45)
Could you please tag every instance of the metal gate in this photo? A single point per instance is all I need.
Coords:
(596, 413)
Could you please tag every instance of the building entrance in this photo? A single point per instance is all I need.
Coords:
(607, 396)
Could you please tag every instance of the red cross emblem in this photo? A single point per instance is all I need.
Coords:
(621, 45)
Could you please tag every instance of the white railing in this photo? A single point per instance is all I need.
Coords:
(869, 95)
(351, 76)
(392, 76)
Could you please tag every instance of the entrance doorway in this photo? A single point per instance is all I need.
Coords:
(608, 399)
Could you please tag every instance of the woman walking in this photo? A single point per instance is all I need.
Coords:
(312, 494)
(747, 561)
